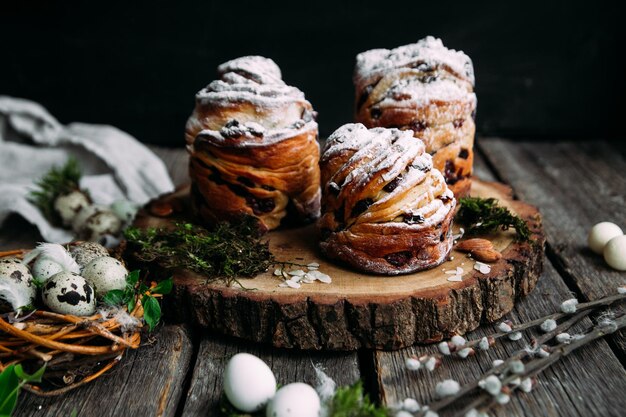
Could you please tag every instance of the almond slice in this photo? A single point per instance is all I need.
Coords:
(470, 245)
(486, 255)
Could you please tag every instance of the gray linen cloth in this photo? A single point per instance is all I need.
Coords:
(114, 164)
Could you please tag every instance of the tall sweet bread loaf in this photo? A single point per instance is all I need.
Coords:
(427, 89)
(253, 147)
(385, 209)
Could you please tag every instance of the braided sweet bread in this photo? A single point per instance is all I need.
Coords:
(253, 147)
(385, 209)
(428, 89)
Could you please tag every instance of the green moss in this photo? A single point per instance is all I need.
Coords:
(226, 252)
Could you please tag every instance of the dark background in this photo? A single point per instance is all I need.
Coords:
(544, 69)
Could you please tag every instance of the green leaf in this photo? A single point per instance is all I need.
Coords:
(9, 387)
(164, 287)
(36, 377)
(133, 278)
(151, 311)
(131, 304)
(115, 298)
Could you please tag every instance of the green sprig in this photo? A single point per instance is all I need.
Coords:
(57, 182)
(226, 252)
(485, 216)
(135, 290)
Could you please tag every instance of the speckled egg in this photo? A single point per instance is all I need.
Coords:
(125, 210)
(105, 274)
(93, 222)
(16, 285)
(248, 382)
(69, 205)
(294, 400)
(69, 293)
(85, 252)
(44, 268)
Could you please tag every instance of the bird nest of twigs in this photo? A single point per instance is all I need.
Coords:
(76, 350)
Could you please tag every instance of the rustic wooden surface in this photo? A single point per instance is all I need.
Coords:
(147, 382)
(289, 366)
(359, 310)
(574, 185)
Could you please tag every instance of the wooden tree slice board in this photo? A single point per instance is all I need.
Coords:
(357, 310)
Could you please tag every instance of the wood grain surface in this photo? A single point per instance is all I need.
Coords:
(556, 177)
(148, 381)
(357, 309)
(576, 186)
(289, 366)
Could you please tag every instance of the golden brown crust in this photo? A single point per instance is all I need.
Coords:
(427, 89)
(385, 209)
(253, 147)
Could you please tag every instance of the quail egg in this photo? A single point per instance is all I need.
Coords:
(69, 293)
(125, 210)
(93, 222)
(85, 252)
(294, 400)
(16, 284)
(69, 205)
(248, 382)
(105, 274)
(44, 268)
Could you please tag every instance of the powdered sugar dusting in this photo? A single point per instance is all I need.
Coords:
(418, 198)
(429, 51)
(268, 110)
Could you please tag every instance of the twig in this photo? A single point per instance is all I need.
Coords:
(606, 301)
(37, 391)
(535, 367)
(520, 354)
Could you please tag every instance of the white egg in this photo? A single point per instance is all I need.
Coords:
(125, 210)
(294, 400)
(69, 205)
(105, 274)
(16, 284)
(615, 253)
(85, 252)
(44, 268)
(600, 234)
(69, 293)
(248, 382)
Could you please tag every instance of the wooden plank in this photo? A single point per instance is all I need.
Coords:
(589, 382)
(575, 185)
(148, 382)
(288, 366)
(575, 387)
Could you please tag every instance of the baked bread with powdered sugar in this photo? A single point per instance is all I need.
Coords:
(385, 208)
(253, 147)
(427, 89)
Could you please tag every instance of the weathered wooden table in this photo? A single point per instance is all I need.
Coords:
(178, 372)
